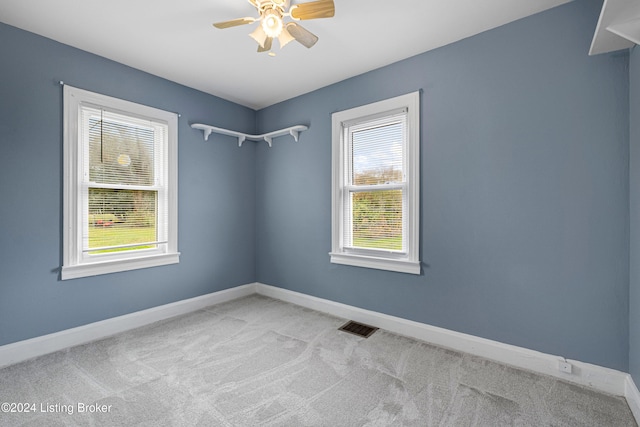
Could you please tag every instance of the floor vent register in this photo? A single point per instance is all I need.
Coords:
(358, 329)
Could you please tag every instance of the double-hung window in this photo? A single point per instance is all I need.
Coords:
(120, 185)
(375, 185)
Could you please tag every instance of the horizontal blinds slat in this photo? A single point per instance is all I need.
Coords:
(123, 186)
(376, 187)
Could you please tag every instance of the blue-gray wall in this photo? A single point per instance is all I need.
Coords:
(634, 198)
(524, 190)
(216, 192)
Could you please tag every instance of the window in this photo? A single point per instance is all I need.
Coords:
(375, 187)
(120, 185)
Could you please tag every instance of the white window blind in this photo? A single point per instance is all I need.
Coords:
(122, 182)
(375, 185)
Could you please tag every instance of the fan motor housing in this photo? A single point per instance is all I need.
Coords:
(278, 5)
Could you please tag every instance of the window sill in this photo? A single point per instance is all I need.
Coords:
(114, 266)
(401, 266)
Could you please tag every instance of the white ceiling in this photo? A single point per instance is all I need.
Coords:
(175, 39)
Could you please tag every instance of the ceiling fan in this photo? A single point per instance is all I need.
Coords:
(272, 25)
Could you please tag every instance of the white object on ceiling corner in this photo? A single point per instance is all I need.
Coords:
(618, 27)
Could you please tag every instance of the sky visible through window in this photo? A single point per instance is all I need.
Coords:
(378, 149)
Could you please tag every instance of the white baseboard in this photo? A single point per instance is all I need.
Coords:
(28, 349)
(600, 378)
(633, 397)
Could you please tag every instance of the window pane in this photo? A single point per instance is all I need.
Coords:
(119, 218)
(377, 154)
(377, 219)
(120, 152)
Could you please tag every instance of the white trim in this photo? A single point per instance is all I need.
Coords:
(34, 347)
(598, 377)
(390, 264)
(633, 397)
(114, 266)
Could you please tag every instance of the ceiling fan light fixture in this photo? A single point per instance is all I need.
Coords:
(285, 37)
(259, 35)
(272, 23)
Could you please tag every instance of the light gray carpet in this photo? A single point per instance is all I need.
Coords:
(262, 362)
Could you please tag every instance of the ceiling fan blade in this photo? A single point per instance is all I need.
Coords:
(267, 45)
(313, 10)
(234, 22)
(303, 36)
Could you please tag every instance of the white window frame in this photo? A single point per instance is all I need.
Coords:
(407, 260)
(77, 264)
